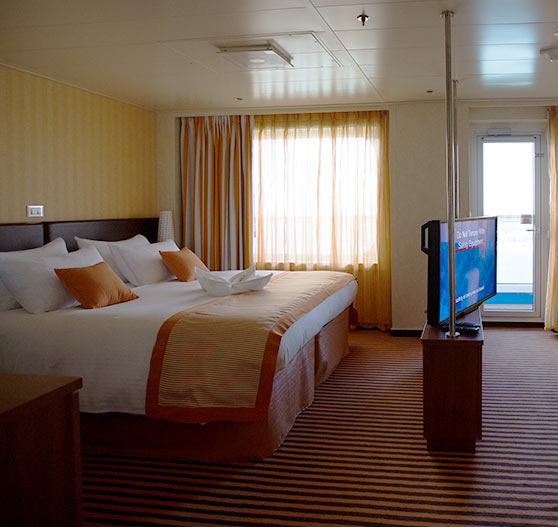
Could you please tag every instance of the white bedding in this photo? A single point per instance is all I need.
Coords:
(111, 347)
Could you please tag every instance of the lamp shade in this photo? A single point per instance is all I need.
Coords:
(166, 226)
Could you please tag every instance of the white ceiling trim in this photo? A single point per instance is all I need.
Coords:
(464, 104)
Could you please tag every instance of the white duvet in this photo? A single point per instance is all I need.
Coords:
(111, 347)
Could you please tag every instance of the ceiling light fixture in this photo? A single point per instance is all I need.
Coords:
(551, 52)
(363, 17)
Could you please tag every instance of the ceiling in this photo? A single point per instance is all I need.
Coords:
(163, 54)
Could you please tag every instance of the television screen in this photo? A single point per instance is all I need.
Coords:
(475, 265)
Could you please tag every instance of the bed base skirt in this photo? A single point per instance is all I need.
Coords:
(293, 391)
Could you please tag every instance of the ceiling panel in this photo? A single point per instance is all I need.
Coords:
(487, 12)
(497, 52)
(508, 87)
(366, 3)
(398, 89)
(406, 72)
(314, 60)
(392, 38)
(389, 15)
(154, 57)
(504, 34)
(467, 11)
(503, 67)
(164, 54)
(32, 13)
(490, 70)
(143, 31)
(301, 75)
(315, 92)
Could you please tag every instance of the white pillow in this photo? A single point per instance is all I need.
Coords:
(34, 283)
(143, 264)
(241, 282)
(104, 249)
(54, 248)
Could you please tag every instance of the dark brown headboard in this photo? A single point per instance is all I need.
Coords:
(108, 230)
(17, 236)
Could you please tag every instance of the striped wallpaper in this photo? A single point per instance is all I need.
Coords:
(81, 155)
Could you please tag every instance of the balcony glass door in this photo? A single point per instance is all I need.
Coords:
(509, 187)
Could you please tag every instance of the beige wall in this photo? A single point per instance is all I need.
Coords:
(81, 155)
(418, 189)
(169, 187)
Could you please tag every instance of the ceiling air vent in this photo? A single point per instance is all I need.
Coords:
(266, 56)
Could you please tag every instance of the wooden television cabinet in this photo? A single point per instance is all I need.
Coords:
(452, 387)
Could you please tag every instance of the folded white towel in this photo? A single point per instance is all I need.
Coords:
(241, 282)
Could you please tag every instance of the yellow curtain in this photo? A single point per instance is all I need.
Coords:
(551, 310)
(216, 190)
(321, 200)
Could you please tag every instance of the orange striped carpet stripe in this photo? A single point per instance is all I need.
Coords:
(357, 457)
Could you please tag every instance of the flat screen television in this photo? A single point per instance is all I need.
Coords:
(475, 265)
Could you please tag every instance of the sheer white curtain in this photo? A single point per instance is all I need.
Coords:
(321, 200)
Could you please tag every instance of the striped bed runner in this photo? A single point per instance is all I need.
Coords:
(357, 457)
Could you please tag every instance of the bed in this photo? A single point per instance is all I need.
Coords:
(75, 341)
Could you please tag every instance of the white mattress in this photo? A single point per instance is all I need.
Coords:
(111, 347)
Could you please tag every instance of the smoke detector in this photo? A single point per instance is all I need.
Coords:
(363, 18)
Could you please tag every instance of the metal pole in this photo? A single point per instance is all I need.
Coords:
(455, 151)
(450, 163)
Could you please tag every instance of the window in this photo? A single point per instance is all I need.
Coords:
(316, 181)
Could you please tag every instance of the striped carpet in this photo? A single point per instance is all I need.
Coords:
(357, 457)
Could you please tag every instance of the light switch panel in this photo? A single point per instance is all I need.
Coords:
(35, 211)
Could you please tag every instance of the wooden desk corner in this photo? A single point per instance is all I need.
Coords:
(40, 458)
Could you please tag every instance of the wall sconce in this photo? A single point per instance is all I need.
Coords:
(166, 226)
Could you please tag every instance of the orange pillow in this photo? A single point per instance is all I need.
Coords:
(181, 263)
(95, 286)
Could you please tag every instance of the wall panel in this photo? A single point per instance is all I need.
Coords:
(81, 155)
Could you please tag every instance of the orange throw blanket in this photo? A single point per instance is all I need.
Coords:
(216, 361)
